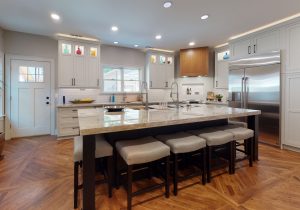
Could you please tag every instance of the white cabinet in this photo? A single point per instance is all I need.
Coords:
(293, 47)
(78, 64)
(259, 43)
(221, 69)
(160, 70)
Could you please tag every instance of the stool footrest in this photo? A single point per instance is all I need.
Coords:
(148, 189)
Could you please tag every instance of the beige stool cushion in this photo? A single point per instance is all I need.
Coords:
(182, 142)
(241, 133)
(103, 148)
(213, 136)
(239, 124)
(142, 150)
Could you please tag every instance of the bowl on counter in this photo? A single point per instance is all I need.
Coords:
(82, 101)
(114, 108)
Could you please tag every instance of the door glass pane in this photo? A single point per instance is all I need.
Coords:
(66, 49)
(79, 50)
(153, 59)
(93, 52)
(162, 59)
(170, 60)
(31, 74)
(31, 78)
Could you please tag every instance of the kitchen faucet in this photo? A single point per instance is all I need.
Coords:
(175, 85)
(144, 91)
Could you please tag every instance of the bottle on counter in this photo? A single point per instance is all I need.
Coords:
(113, 98)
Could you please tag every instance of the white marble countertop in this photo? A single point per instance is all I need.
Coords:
(96, 121)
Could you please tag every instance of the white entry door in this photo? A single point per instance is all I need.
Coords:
(30, 98)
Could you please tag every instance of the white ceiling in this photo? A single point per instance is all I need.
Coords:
(140, 20)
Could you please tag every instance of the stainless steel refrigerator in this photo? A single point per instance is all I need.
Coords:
(254, 83)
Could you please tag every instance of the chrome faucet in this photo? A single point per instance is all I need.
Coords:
(175, 85)
(144, 91)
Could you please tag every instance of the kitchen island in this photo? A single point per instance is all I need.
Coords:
(98, 121)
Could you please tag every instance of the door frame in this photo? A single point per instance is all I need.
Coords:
(8, 60)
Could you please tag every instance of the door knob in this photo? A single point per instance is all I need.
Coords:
(47, 97)
(47, 102)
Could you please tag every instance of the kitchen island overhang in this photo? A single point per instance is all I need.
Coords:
(98, 121)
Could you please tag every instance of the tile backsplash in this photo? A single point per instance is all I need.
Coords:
(199, 87)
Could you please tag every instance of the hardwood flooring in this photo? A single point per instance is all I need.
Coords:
(37, 173)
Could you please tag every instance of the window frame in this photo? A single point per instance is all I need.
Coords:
(141, 78)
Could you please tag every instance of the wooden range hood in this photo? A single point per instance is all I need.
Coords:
(194, 62)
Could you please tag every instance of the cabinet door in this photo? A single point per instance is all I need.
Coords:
(221, 74)
(65, 64)
(80, 76)
(241, 48)
(266, 42)
(293, 48)
(92, 67)
(169, 74)
(156, 76)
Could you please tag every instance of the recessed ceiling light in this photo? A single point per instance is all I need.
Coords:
(192, 43)
(55, 16)
(114, 28)
(204, 17)
(116, 42)
(158, 37)
(136, 45)
(167, 4)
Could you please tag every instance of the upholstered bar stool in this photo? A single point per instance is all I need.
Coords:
(183, 143)
(241, 134)
(141, 151)
(104, 151)
(216, 138)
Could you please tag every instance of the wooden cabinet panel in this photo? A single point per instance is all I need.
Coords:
(194, 62)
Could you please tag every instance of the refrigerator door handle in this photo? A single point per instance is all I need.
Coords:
(242, 94)
(246, 92)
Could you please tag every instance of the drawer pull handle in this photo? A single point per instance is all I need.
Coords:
(76, 128)
(74, 117)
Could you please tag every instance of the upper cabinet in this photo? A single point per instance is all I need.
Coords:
(78, 64)
(260, 43)
(194, 62)
(293, 47)
(221, 69)
(160, 70)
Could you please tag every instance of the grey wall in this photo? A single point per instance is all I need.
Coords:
(111, 55)
(17, 43)
(1, 40)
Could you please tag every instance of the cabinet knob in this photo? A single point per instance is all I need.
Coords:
(254, 48)
(216, 83)
(249, 50)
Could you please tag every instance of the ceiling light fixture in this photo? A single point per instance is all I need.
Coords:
(136, 45)
(116, 42)
(204, 17)
(114, 28)
(167, 4)
(55, 16)
(192, 43)
(158, 37)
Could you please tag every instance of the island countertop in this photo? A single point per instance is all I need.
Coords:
(96, 121)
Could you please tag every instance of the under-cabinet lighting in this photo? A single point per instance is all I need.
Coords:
(77, 37)
(222, 45)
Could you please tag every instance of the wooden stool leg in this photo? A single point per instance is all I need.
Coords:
(208, 161)
(203, 166)
(116, 171)
(129, 187)
(76, 164)
(167, 183)
(232, 157)
(175, 174)
(251, 152)
(109, 174)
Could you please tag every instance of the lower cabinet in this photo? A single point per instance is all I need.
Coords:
(67, 122)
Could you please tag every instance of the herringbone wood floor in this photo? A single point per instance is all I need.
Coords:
(37, 173)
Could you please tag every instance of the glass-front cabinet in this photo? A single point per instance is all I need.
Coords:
(160, 69)
(78, 64)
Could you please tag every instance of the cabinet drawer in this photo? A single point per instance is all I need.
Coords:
(68, 122)
(69, 131)
(68, 113)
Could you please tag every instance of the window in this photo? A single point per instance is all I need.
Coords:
(31, 74)
(121, 79)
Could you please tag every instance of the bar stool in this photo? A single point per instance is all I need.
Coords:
(215, 138)
(241, 134)
(140, 151)
(104, 151)
(182, 143)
